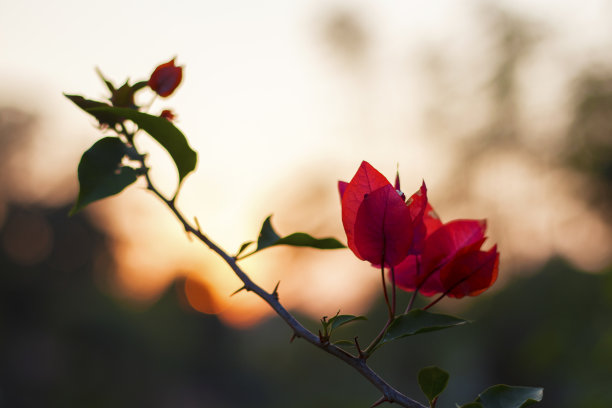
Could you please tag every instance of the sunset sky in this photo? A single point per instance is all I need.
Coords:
(284, 98)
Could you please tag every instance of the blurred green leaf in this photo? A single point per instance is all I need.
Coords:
(506, 396)
(268, 237)
(103, 118)
(343, 343)
(341, 320)
(470, 405)
(108, 83)
(100, 172)
(161, 130)
(419, 321)
(433, 381)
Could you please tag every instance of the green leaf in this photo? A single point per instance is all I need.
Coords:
(103, 118)
(470, 405)
(268, 237)
(432, 381)
(506, 396)
(242, 248)
(344, 343)
(341, 320)
(301, 239)
(100, 172)
(108, 83)
(161, 130)
(419, 321)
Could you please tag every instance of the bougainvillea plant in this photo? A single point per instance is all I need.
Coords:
(402, 236)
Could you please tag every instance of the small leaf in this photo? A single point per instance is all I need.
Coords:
(161, 130)
(432, 381)
(268, 237)
(103, 118)
(505, 396)
(242, 248)
(108, 83)
(419, 321)
(344, 343)
(301, 239)
(341, 320)
(101, 173)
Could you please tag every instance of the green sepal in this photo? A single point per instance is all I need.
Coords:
(433, 381)
(100, 172)
(343, 343)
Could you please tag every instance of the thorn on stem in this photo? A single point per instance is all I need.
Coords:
(362, 355)
(275, 291)
(197, 223)
(293, 337)
(380, 401)
(239, 290)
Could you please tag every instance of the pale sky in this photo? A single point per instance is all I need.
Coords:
(274, 114)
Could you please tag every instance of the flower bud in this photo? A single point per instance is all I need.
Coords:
(166, 78)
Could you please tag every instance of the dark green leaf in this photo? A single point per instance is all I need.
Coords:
(101, 173)
(505, 396)
(123, 97)
(301, 239)
(470, 405)
(139, 85)
(341, 320)
(108, 83)
(344, 343)
(86, 104)
(268, 238)
(419, 321)
(161, 130)
(432, 381)
(242, 248)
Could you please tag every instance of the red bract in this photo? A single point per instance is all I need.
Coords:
(166, 78)
(380, 227)
(452, 262)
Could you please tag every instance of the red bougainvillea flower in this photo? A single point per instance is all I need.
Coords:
(452, 262)
(167, 114)
(380, 226)
(166, 78)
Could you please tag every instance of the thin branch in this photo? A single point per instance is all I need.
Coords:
(359, 364)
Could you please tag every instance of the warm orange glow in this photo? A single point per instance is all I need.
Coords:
(279, 119)
(200, 296)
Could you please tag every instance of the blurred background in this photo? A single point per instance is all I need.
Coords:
(504, 108)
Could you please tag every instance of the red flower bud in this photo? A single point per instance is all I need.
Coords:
(167, 114)
(166, 78)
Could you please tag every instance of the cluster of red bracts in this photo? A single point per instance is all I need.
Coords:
(426, 256)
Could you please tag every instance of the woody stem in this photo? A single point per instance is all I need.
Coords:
(356, 362)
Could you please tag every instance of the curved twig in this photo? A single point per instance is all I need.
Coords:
(390, 394)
